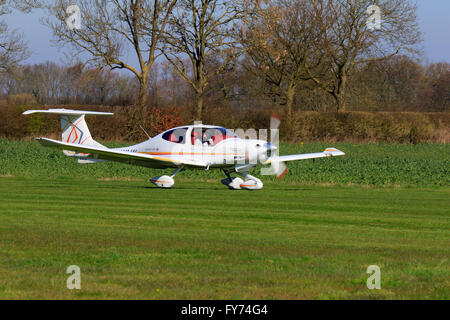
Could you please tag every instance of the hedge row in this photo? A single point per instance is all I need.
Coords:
(357, 127)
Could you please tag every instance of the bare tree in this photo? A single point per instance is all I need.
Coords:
(111, 28)
(13, 49)
(199, 43)
(389, 85)
(435, 95)
(23, 5)
(279, 41)
(351, 35)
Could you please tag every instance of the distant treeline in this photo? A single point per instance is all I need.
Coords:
(394, 100)
(396, 84)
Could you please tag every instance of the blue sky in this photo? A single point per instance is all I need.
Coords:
(434, 20)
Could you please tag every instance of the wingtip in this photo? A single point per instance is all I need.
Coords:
(335, 152)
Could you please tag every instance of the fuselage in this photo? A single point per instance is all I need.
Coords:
(217, 147)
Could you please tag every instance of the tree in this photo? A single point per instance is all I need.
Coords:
(97, 85)
(348, 38)
(200, 31)
(279, 41)
(390, 85)
(109, 28)
(13, 49)
(435, 95)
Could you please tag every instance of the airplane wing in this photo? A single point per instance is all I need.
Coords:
(329, 152)
(281, 169)
(140, 159)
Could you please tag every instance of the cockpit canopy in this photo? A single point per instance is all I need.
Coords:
(199, 135)
(177, 135)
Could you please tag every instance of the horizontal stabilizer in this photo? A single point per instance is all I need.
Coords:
(89, 161)
(74, 128)
(69, 112)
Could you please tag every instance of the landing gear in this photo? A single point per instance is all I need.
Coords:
(250, 183)
(165, 182)
(233, 184)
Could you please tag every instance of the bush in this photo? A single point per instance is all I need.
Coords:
(391, 127)
(22, 99)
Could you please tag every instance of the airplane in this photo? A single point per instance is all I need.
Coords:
(189, 147)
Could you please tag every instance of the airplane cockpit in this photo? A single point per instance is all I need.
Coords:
(210, 136)
(199, 136)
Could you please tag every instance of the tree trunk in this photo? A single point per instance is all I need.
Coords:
(137, 112)
(199, 87)
(290, 101)
(198, 106)
(340, 101)
(339, 93)
(142, 98)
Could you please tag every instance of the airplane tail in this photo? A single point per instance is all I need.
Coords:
(74, 128)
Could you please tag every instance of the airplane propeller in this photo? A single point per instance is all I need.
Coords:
(279, 167)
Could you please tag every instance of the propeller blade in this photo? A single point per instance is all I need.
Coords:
(278, 166)
(274, 121)
(280, 169)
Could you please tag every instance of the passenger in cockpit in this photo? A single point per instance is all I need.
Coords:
(207, 140)
(196, 138)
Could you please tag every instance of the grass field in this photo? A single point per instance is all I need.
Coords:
(295, 239)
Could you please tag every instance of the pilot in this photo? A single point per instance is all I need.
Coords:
(196, 138)
(206, 141)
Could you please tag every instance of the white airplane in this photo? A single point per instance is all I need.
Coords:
(183, 148)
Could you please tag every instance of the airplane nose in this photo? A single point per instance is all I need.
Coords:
(270, 147)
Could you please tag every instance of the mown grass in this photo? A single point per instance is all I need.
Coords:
(200, 240)
(311, 235)
(369, 164)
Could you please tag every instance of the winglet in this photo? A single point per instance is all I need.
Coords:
(334, 152)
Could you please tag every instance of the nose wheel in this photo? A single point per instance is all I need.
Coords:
(249, 182)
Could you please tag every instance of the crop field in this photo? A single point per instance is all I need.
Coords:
(369, 164)
(311, 235)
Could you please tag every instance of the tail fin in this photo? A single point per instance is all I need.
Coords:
(73, 126)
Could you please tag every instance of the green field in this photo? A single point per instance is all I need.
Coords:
(369, 164)
(309, 236)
